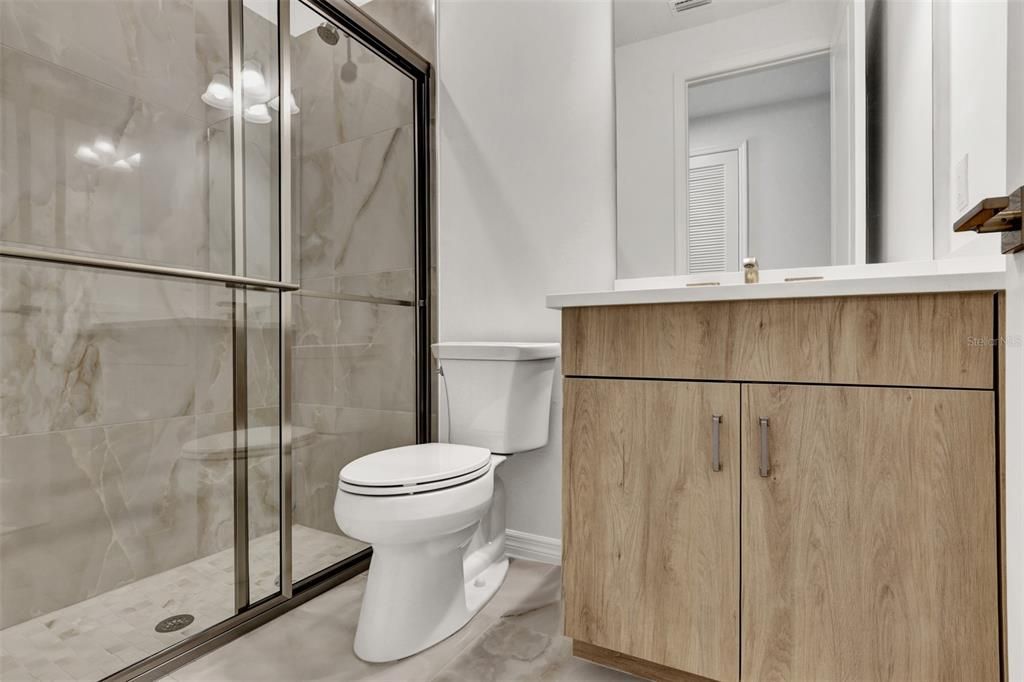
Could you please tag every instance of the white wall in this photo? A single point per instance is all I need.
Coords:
(1015, 96)
(1015, 359)
(970, 96)
(526, 189)
(788, 185)
(646, 76)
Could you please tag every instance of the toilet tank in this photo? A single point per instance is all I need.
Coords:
(499, 394)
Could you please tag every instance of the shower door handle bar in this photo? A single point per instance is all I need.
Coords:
(716, 454)
(357, 298)
(143, 268)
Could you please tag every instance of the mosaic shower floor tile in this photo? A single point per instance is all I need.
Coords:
(99, 636)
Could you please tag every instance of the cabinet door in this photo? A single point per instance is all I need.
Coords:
(650, 530)
(869, 550)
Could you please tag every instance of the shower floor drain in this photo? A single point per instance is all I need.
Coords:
(175, 623)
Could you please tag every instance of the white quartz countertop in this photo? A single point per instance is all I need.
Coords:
(975, 274)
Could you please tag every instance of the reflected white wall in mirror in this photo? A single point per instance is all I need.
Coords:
(758, 181)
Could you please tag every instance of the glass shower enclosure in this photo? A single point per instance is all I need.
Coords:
(214, 293)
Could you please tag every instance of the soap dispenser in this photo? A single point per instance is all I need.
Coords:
(750, 275)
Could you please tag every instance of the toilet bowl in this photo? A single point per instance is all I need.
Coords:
(423, 585)
(434, 513)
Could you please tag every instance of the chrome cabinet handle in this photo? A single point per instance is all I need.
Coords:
(765, 466)
(716, 455)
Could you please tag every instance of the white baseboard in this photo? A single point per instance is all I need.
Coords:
(520, 545)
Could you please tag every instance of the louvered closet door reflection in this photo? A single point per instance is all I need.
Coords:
(713, 212)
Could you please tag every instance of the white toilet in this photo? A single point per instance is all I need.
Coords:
(435, 513)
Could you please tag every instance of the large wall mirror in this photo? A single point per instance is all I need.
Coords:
(807, 133)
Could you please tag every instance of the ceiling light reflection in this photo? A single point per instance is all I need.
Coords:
(218, 92)
(275, 104)
(257, 113)
(104, 145)
(86, 154)
(253, 83)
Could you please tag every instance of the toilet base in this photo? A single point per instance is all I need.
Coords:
(480, 590)
(411, 604)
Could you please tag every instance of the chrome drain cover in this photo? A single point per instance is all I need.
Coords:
(174, 623)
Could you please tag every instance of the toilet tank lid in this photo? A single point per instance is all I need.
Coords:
(495, 350)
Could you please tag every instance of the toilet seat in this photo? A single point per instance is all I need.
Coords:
(414, 469)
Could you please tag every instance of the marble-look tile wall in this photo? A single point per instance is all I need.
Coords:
(52, 198)
(412, 21)
(129, 73)
(357, 215)
(107, 382)
(162, 52)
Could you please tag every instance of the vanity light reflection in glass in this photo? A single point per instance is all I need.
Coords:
(218, 94)
(103, 154)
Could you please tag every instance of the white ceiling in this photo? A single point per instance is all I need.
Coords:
(302, 18)
(637, 20)
(782, 83)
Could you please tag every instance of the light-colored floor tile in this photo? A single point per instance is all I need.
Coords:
(517, 636)
(526, 643)
(510, 652)
(529, 585)
(314, 642)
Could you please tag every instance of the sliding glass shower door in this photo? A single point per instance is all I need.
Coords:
(355, 348)
(174, 409)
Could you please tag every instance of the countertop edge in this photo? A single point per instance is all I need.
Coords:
(868, 286)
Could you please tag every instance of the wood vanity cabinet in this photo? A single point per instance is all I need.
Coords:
(651, 543)
(843, 531)
(869, 550)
